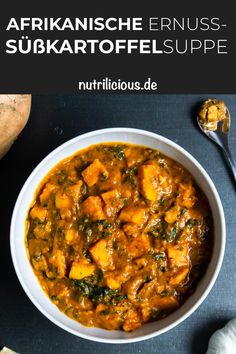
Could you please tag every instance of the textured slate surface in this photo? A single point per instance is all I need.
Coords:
(57, 118)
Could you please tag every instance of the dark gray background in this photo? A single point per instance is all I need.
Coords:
(56, 118)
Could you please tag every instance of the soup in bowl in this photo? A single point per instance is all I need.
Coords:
(120, 241)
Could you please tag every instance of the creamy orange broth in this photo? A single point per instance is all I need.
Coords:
(118, 235)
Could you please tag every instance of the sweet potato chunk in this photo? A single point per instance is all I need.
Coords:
(164, 303)
(93, 208)
(48, 226)
(62, 201)
(80, 270)
(113, 202)
(39, 232)
(187, 195)
(132, 321)
(148, 175)
(138, 246)
(93, 172)
(47, 190)
(75, 191)
(179, 276)
(113, 282)
(171, 215)
(115, 279)
(60, 263)
(40, 264)
(131, 229)
(178, 255)
(137, 215)
(71, 235)
(38, 212)
(42, 231)
(101, 254)
(132, 157)
(110, 317)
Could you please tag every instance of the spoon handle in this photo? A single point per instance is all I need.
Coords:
(231, 161)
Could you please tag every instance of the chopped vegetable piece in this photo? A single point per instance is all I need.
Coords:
(93, 172)
(38, 212)
(113, 202)
(132, 321)
(178, 255)
(40, 232)
(148, 175)
(172, 214)
(164, 302)
(71, 236)
(187, 195)
(179, 276)
(171, 234)
(46, 193)
(101, 254)
(62, 201)
(139, 246)
(75, 190)
(60, 263)
(136, 215)
(131, 229)
(113, 283)
(93, 208)
(80, 270)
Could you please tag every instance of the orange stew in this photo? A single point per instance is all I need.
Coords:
(117, 235)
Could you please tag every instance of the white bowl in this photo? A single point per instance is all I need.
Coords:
(25, 272)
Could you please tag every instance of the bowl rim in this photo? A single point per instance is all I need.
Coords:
(157, 137)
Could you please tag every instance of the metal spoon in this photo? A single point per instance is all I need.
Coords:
(220, 137)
